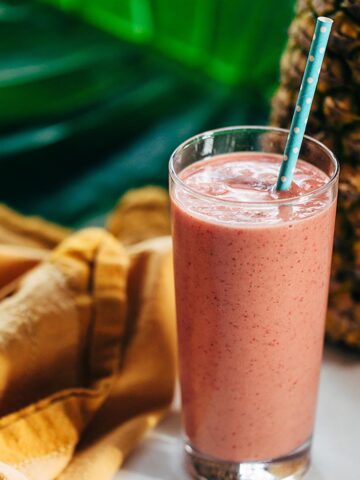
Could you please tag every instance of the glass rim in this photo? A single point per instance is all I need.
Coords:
(270, 203)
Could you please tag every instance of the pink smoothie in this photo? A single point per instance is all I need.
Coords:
(252, 288)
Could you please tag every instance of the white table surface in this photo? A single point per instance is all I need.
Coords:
(336, 450)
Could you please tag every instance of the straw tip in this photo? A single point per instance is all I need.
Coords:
(325, 20)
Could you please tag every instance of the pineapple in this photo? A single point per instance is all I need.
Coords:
(335, 120)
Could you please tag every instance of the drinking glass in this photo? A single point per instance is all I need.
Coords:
(252, 281)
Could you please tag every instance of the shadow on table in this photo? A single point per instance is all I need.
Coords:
(160, 456)
(338, 354)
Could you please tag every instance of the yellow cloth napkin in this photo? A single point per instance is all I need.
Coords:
(87, 340)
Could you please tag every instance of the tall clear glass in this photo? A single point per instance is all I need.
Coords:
(252, 284)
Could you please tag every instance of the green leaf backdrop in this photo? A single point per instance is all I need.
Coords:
(96, 94)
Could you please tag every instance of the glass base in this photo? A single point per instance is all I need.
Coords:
(288, 467)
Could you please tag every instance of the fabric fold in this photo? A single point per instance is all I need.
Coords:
(60, 332)
(17, 229)
(87, 347)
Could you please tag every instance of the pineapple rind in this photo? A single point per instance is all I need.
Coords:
(334, 120)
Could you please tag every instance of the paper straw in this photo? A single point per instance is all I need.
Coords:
(304, 102)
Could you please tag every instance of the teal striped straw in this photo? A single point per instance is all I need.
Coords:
(304, 102)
